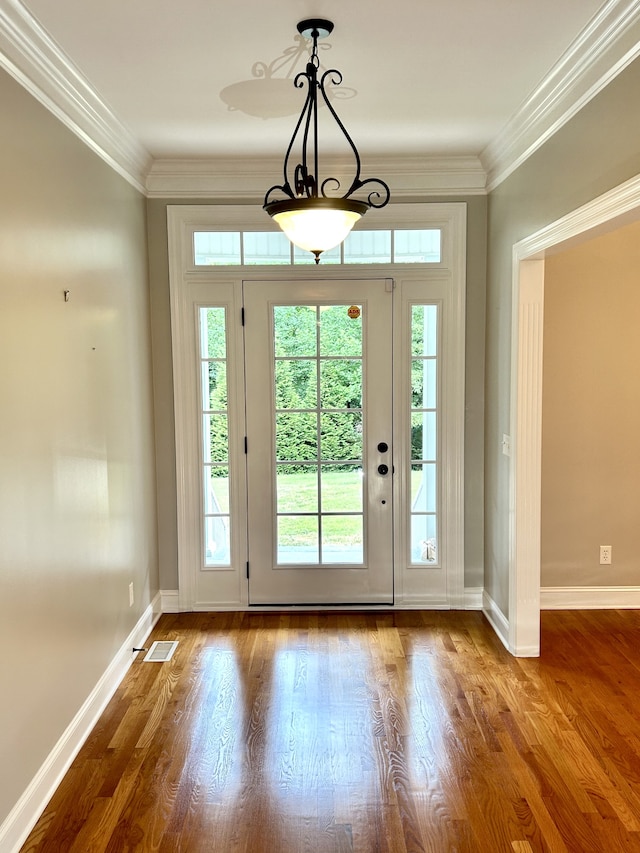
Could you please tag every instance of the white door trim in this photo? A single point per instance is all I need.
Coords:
(605, 213)
(184, 280)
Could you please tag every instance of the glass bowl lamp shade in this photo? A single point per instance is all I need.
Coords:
(313, 214)
(316, 224)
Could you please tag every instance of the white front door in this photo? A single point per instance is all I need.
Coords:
(318, 361)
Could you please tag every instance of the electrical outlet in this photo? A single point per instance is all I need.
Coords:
(131, 594)
(605, 555)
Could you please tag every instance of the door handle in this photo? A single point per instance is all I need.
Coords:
(383, 469)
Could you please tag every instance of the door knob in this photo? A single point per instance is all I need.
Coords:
(383, 469)
(383, 447)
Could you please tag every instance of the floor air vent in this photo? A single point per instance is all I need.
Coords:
(161, 650)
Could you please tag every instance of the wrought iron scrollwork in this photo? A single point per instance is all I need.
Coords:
(306, 173)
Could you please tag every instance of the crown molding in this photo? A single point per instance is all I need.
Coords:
(33, 58)
(237, 179)
(607, 45)
(613, 209)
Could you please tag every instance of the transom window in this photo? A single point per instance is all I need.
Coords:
(272, 248)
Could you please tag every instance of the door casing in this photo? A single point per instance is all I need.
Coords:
(191, 286)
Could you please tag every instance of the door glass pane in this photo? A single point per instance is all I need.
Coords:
(296, 383)
(340, 330)
(341, 488)
(296, 436)
(297, 488)
(215, 438)
(295, 330)
(341, 383)
(424, 440)
(342, 539)
(318, 416)
(298, 539)
(341, 435)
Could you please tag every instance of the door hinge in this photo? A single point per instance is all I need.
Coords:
(247, 569)
(245, 444)
(242, 315)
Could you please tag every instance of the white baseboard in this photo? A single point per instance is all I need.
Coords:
(590, 598)
(170, 600)
(24, 815)
(496, 617)
(473, 598)
(564, 598)
(472, 601)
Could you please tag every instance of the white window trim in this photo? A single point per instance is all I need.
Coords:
(187, 219)
(182, 221)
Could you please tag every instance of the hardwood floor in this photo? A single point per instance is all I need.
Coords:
(372, 733)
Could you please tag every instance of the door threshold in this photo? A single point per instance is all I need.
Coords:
(353, 605)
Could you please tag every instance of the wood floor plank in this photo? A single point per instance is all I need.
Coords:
(410, 732)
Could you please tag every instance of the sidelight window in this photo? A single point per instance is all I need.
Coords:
(215, 436)
(424, 434)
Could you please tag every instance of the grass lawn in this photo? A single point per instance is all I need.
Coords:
(341, 493)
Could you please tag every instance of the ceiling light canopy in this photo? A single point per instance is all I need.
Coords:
(312, 219)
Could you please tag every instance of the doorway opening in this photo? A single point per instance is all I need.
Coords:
(618, 207)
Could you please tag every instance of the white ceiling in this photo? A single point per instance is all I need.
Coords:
(421, 77)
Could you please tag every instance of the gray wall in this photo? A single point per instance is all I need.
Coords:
(597, 150)
(474, 423)
(77, 480)
(591, 412)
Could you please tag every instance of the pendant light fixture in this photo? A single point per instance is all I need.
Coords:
(311, 217)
